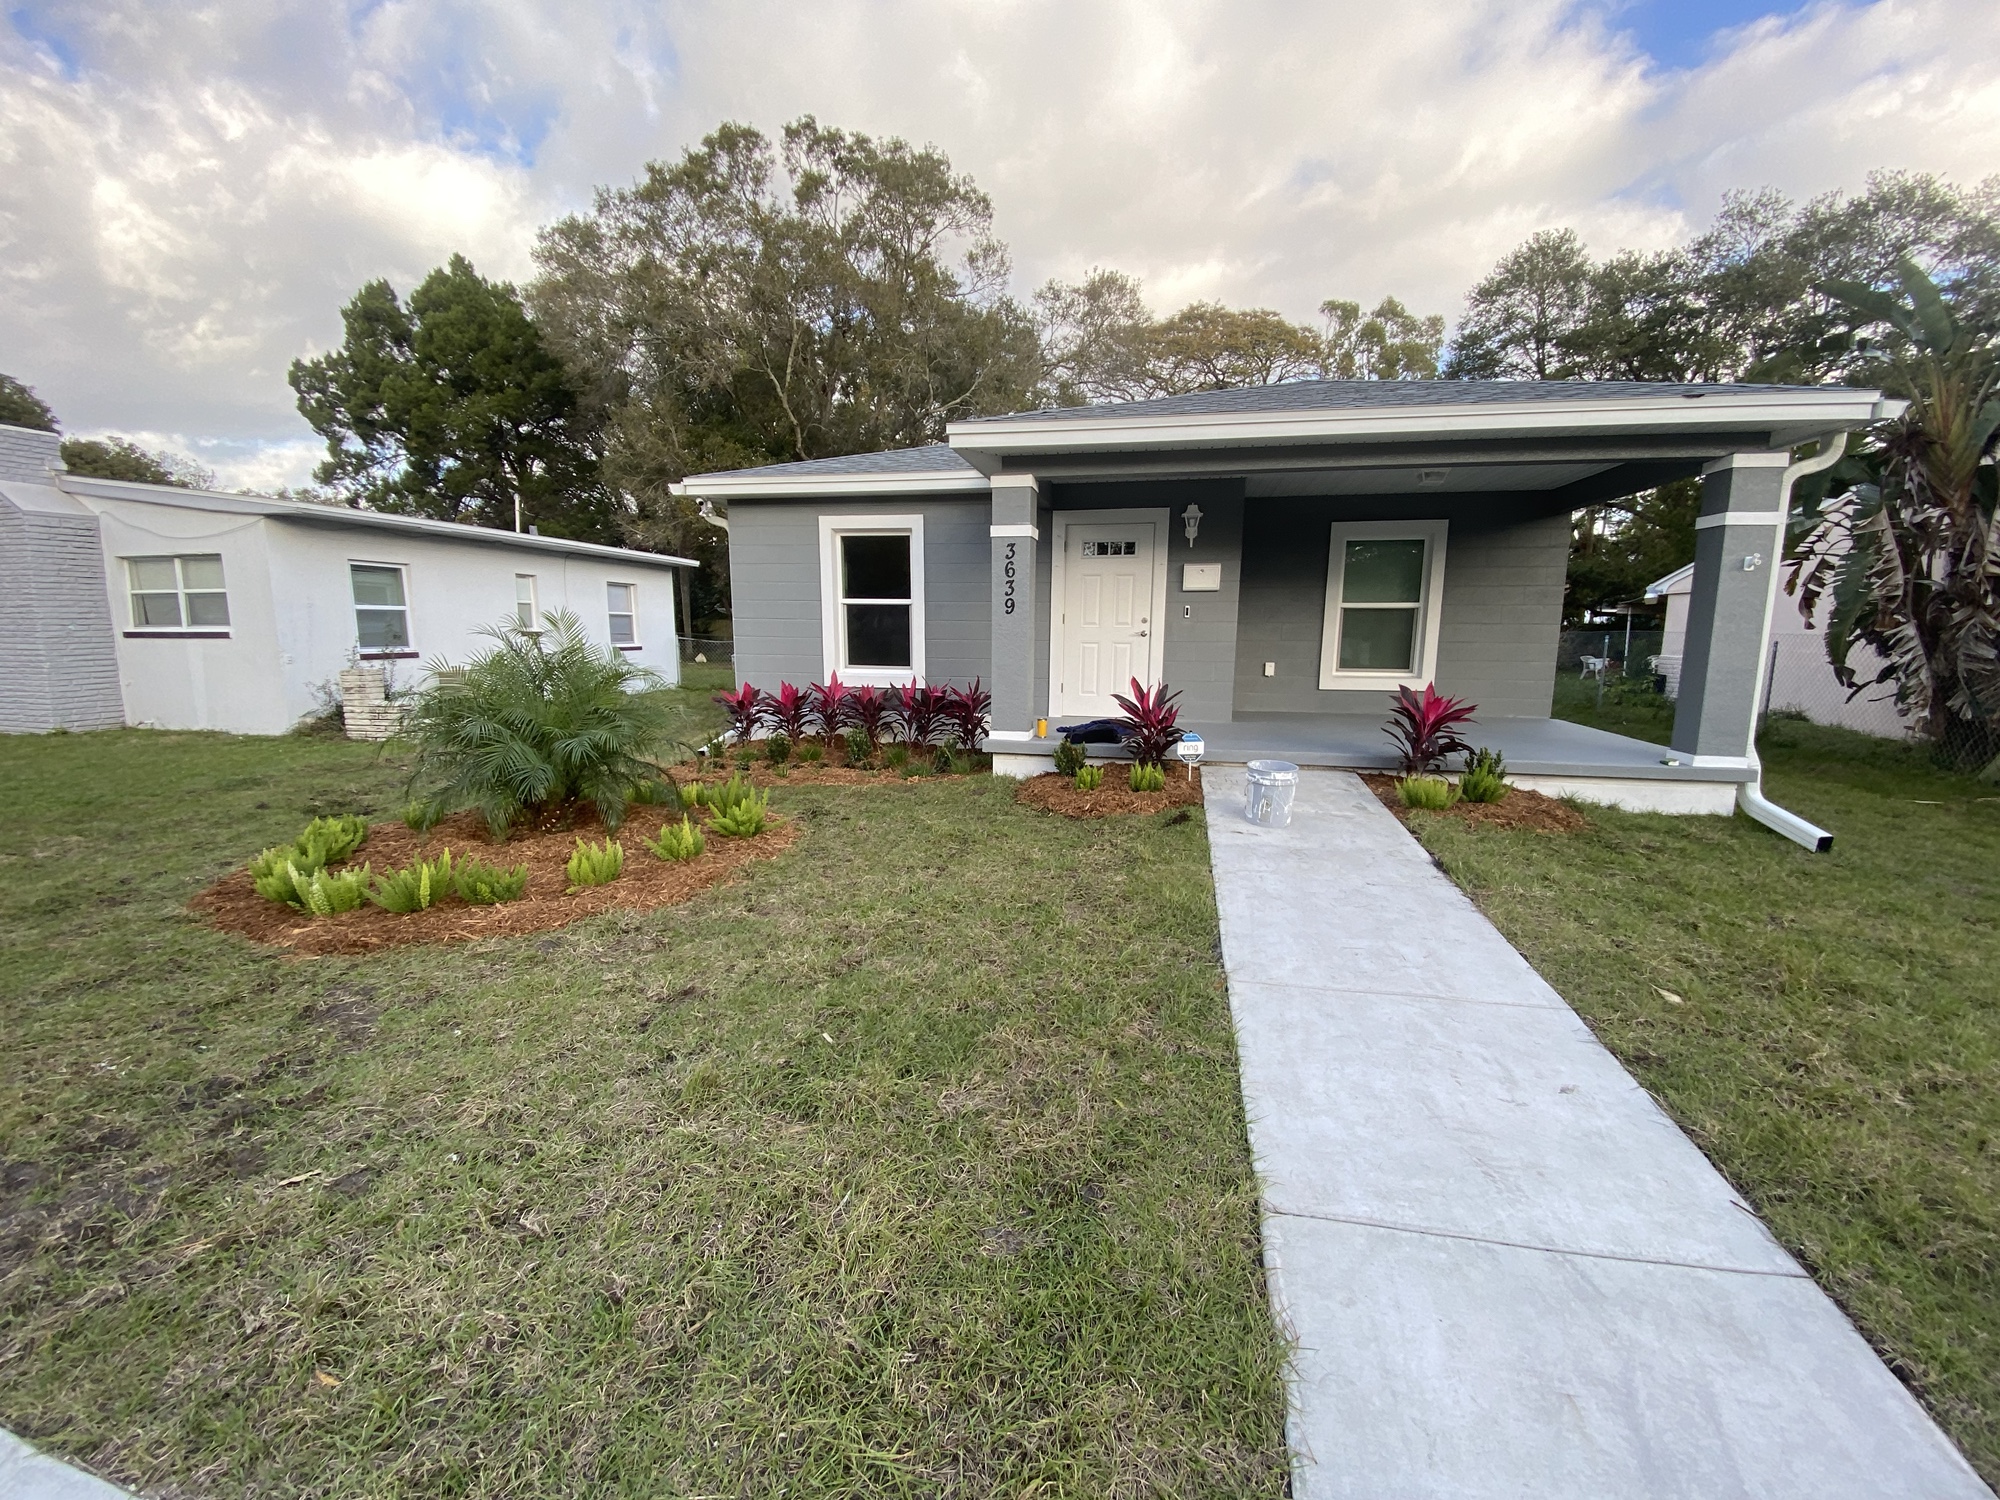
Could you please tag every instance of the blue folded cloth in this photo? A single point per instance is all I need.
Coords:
(1096, 732)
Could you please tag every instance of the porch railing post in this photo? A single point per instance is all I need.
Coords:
(1738, 545)
(1016, 534)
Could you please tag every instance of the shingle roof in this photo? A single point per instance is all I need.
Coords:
(931, 458)
(1318, 395)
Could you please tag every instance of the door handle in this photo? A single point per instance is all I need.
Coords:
(1142, 633)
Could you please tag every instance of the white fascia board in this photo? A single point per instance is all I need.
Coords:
(1677, 581)
(1833, 407)
(727, 486)
(174, 497)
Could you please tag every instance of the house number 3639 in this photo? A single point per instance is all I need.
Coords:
(1007, 572)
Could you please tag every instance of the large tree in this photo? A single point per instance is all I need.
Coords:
(453, 407)
(21, 407)
(750, 304)
(1516, 320)
(119, 458)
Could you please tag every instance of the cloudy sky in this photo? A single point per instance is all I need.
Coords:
(189, 193)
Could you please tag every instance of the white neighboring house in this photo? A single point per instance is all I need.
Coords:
(1801, 679)
(182, 609)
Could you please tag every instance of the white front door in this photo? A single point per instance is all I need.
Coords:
(1108, 631)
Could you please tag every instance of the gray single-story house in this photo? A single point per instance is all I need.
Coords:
(1284, 557)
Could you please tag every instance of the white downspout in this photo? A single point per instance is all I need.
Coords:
(1750, 795)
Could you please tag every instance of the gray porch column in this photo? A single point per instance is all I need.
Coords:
(1739, 543)
(1016, 499)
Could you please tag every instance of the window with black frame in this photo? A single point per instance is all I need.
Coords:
(875, 600)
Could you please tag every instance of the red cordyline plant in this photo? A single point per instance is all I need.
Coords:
(1422, 728)
(920, 713)
(789, 712)
(1154, 722)
(870, 710)
(745, 708)
(965, 711)
(832, 704)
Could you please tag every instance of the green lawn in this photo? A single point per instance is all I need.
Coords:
(912, 1164)
(1836, 1045)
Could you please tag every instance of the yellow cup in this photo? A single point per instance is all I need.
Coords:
(1041, 729)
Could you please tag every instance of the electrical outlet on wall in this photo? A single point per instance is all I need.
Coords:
(1270, 669)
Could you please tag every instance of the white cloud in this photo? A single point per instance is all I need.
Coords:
(187, 197)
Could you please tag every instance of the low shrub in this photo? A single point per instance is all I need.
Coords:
(1069, 758)
(731, 795)
(1148, 778)
(811, 752)
(1089, 778)
(680, 842)
(416, 887)
(480, 884)
(1431, 793)
(325, 841)
(859, 746)
(745, 819)
(1485, 779)
(777, 749)
(594, 864)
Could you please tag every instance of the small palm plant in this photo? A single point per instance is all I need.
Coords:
(529, 730)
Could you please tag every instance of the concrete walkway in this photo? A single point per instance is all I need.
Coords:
(26, 1474)
(1508, 1273)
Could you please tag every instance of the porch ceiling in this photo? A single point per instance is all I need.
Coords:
(1460, 479)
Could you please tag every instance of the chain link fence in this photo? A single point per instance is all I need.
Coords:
(708, 650)
(1609, 651)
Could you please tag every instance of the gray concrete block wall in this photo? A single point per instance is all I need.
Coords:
(1501, 611)
(28, 455)
(774, 572)
(58, 662)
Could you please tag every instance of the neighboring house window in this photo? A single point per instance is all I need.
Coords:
(526, 613)
(381, 607)
(872, 597)
(624, 614)
(1383, 583)
(178, 593)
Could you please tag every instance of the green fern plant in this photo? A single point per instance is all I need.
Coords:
(1089, 778)
(328, 841)
(1430, 793)
(1069, 758)
(480, 884)
(324, 842)
(693, 794)
(415, 887)
(744, 819)
(680, 842)
(1485, 778)
(731, 795)
(594, 864)
(1147, 778)
(325, 892)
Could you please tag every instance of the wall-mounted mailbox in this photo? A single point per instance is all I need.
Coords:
(1201, 578)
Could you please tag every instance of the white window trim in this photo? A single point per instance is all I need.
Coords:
(632, 614)
(831, 529)
(1061, 521)
(181, 592)
(395, 653)
(1430, 609)
(533, 601)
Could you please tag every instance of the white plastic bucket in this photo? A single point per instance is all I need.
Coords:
(1268, 791)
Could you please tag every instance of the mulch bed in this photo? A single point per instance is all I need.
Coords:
(1520, 808)
(233, 905)
(1058, 794)
(831, 770)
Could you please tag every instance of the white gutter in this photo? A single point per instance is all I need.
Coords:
(1750, 794)
(745, 485)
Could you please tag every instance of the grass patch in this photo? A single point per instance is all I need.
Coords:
(892, 1169)
(1836, 1045)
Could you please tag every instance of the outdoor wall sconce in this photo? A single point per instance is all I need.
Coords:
(1191, 522)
